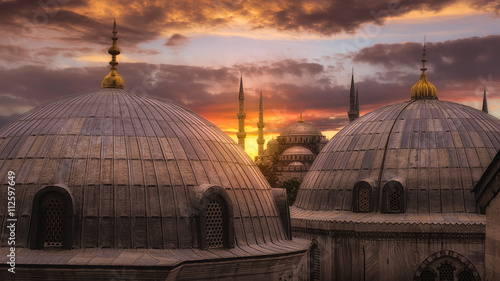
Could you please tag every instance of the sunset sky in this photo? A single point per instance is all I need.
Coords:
(300, 53)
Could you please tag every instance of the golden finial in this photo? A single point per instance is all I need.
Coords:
(423, 56)
(113, 79)
(423, 89)
(301, 120)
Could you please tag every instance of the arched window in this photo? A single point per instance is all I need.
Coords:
(362, 201)
(446, 270)
(215, 217)
(51, 220)
(466, 275)
(446, 265)
(393, 197)
(427, 275)
(314, 264)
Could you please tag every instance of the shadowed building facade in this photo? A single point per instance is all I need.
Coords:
(112, 185)
(487, 197)
(389, 197)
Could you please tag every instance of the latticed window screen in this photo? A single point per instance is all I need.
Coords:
(446, 271)
(215, 225)
(394, 199)
(315, 263)
(466, 275)
(364, 199)
(427, 275)
(53, 215)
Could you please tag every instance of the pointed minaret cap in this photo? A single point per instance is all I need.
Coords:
(485, 101)
(113, 79)
(241, 94)
(423, 89)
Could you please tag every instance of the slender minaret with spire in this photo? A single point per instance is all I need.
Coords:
(113, 79)
(260, 126)
(241, 116)
(485, 102)
(353, 112)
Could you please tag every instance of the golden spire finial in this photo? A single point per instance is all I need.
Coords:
(423, 57)
(113, 79)
(423, 89)
(301, 120)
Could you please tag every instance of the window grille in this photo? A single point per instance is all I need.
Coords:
(394, 199)
(215, 225)
(53, 215)
(446, 271)
(315, 263)
(364, 199)
(427, 275)
(466, 275)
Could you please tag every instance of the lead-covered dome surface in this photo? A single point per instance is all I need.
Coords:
(436, 150)
(131, 164)
(297, 150)
(300, 129)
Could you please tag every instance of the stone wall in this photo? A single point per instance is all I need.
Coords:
(357, 258)
(492, 252)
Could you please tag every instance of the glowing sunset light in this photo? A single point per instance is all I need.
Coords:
(301, 55)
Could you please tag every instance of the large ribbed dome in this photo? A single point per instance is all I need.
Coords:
(133, 166)
(429, 153)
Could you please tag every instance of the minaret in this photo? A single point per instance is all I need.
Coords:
(353, 112)
(485, 102)
(357, 102)
(113, 79)
(241, 116)
(260, 125)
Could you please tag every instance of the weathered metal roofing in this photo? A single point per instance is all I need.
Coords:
(131, 163)
(148, 257)
(487, 188)
(300, 129)
(297, 150)
(438, 150)
(345, 217)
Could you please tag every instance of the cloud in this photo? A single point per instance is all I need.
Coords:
(143, 21)
(177, 40)
(456, 65)
(281, 68)
(288, 85)
(209, 91)
(4, 120)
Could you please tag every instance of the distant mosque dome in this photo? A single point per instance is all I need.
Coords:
(300, 128)
(273, 141)
(297, 150)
